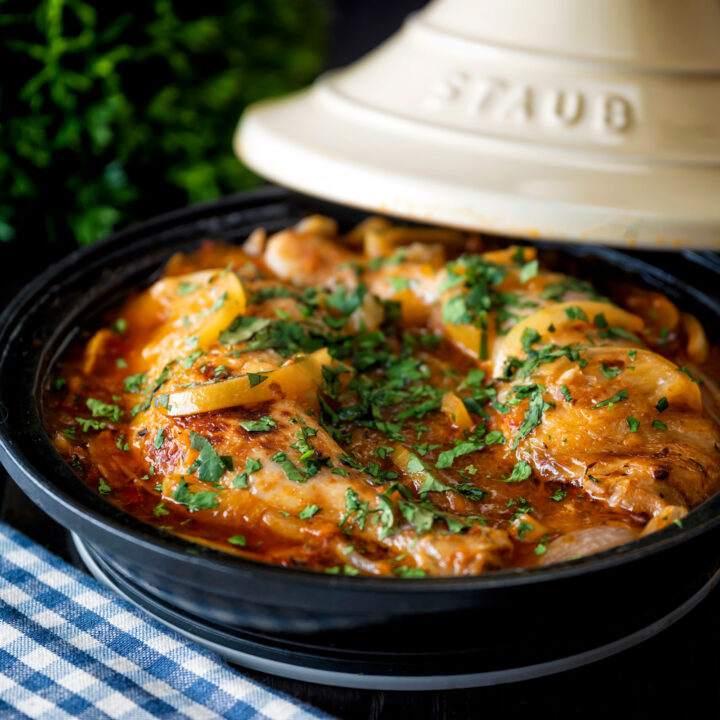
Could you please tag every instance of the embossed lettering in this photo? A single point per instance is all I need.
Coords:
(566, 107)
(580, 112)
(445, 91)
(484, 94)
(615, 113)
(517, 105)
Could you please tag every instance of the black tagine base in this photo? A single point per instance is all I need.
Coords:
(344, 663)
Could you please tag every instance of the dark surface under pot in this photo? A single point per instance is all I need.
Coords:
(501, 622)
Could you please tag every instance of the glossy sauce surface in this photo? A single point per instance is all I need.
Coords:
(394, 401)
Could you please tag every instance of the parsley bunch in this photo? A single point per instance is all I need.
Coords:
(113, 112)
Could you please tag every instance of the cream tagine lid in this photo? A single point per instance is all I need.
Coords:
(578, 120)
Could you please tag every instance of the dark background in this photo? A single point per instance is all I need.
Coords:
(675, 674)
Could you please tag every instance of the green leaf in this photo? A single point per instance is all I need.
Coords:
(101, 409)
(308, 512)
(533, 416)
(242, 328)
(355, 506)
(194, 501)
(432, 484)
(600, 321)
(256, 379)
(286, 465)
(209, 464)
(574, 312)
(690, 375)
(185, 288)
(448, 457)
(419, 517)
(610, 372)
(160, 510)
(529, 337)
(618, 397)
(86, 424)
(521, 471)
(265, 424)
(455, 311)
(406, 572)
(529, 271)
(470, 491)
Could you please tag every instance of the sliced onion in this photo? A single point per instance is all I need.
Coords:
(586, 542)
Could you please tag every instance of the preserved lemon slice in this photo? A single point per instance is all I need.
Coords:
(198, 307)
(298, 377)
(564, 323)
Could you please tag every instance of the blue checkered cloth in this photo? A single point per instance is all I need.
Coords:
(69, 648)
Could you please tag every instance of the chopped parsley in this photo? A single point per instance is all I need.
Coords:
(86, 424)
(610, 372)
(470, 491)
(524, 527)
(119, 326)
(194, 501)
(448, 457)
(308, 512)
(185, 288)
(662, 404)
(264, 424)
(690, 375)
(355, 506)
(404, 571)
(101, 409)
(529, 270)
(574, 312)
(256, 379)
(533, 415)
(252, 465)
(286, 465)
(610, 402)
(600, 321)
(520, 472)
(633, 424)
(242, 328)
(209, 464)
(529, 337)
(399, 283)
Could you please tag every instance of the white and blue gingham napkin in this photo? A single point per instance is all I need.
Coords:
(69, 648)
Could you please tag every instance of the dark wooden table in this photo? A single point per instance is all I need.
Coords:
(674, 675)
